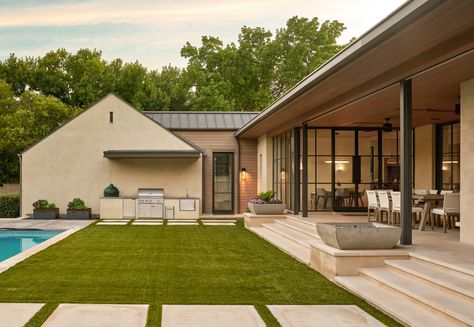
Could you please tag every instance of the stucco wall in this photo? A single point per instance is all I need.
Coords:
(467, 158)
(424, 157)
(69, 163)
(264, 164)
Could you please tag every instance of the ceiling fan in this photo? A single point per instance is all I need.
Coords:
(387, 126)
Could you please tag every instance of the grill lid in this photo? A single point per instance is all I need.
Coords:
(150, 192)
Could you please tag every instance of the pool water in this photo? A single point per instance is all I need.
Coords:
(15, 241)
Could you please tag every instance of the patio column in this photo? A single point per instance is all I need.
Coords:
(304, 190)
(296, 167)
(406, 161)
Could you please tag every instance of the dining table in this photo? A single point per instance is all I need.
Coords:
(428, 201)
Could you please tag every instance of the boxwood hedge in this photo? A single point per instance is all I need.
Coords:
(9, 206)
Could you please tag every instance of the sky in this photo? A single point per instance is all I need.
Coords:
(153, 31)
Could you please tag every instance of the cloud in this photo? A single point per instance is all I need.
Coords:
(153, 31)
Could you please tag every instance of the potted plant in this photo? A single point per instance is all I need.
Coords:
(76, 209)
(45, 210)
(266, 203)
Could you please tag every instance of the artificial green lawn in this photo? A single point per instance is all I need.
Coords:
(169, 265)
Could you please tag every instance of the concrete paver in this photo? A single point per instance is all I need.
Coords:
(17, 314)
(95, 315)
(210, 316)
(322, 315)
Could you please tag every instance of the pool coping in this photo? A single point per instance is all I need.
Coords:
(12, 261)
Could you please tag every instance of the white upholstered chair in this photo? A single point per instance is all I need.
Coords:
(450, 209)
(396, 209)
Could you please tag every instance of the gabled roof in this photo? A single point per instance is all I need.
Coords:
(201, 120)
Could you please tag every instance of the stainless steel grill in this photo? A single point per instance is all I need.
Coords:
(150, 202)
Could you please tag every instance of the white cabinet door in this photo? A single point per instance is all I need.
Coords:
(143, 210)
(156, 211)
(129, 208)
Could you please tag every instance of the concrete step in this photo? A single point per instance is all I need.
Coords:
(296, 250)
(302, 221)
(444, 301)
(300, 227)
(395, 304)
(289, 233)
(437, 275)
(452, 265)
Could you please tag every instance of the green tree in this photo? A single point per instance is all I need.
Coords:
(17, 72)
(86, 74)
(131, 82)
(301, 47)
(24, 121)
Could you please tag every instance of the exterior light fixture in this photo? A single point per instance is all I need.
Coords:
(337, 161)
(243, 174)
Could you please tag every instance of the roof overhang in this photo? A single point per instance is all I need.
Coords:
(122, 154)
(416, 36)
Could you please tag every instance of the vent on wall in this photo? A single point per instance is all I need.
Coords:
(111, 117)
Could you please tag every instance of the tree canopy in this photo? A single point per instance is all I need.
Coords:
(38, 94)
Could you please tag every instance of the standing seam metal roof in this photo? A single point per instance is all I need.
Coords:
(201, 120)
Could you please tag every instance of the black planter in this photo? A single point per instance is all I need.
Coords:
(79, 213)
(52, 213)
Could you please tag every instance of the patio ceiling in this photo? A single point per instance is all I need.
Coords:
(435, 95)
(416, 37)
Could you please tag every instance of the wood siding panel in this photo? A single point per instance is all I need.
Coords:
(248, 160)
(214, 141)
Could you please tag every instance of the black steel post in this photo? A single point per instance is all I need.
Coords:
(296, 139)
(304, 190)
(406, 161)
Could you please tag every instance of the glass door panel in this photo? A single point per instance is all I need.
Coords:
(223, 185)
(344, 160)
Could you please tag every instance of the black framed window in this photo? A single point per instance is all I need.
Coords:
(223, 182)
(448, 158)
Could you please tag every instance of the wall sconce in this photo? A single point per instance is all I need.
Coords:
(283, 175)
(243, 174)
(340, 167)
(445, 168)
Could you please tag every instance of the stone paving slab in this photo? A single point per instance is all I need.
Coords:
(322, 315)
(147, 223)
(98, 315)
(218, 224)
(182, 224)
(210, 316)
(17, 314)
(218, 221)
(112, 223)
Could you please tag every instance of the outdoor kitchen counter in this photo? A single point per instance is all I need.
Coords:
(125, 207)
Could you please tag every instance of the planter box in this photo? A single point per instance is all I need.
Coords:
(267, 209)
(359, 236)
(46, 213)
(79, 213)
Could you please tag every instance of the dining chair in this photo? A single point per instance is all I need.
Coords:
(396, 210)
(420, 192)
(450, 209)
(321, 194)
(433, 192)
(372, 205)
(384, 204)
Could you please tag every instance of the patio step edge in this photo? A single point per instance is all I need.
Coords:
(291, 248)
(399, 306)
(303, 228)
(300, 220)
(440, 263)
(443, 301)
(289, 234)
(451, 280)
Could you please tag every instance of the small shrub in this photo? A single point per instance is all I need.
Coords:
(266, 197)
(41, 204)
(76, 203)
(10, 205)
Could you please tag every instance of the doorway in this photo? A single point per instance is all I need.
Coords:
(223, 183)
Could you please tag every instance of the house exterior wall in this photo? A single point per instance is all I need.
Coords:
(248, 160)
(467, 157)
(210, 142)
(425, 157)
(69, 163)
(265, 163)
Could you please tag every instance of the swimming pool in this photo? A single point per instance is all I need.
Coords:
(14, 241)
